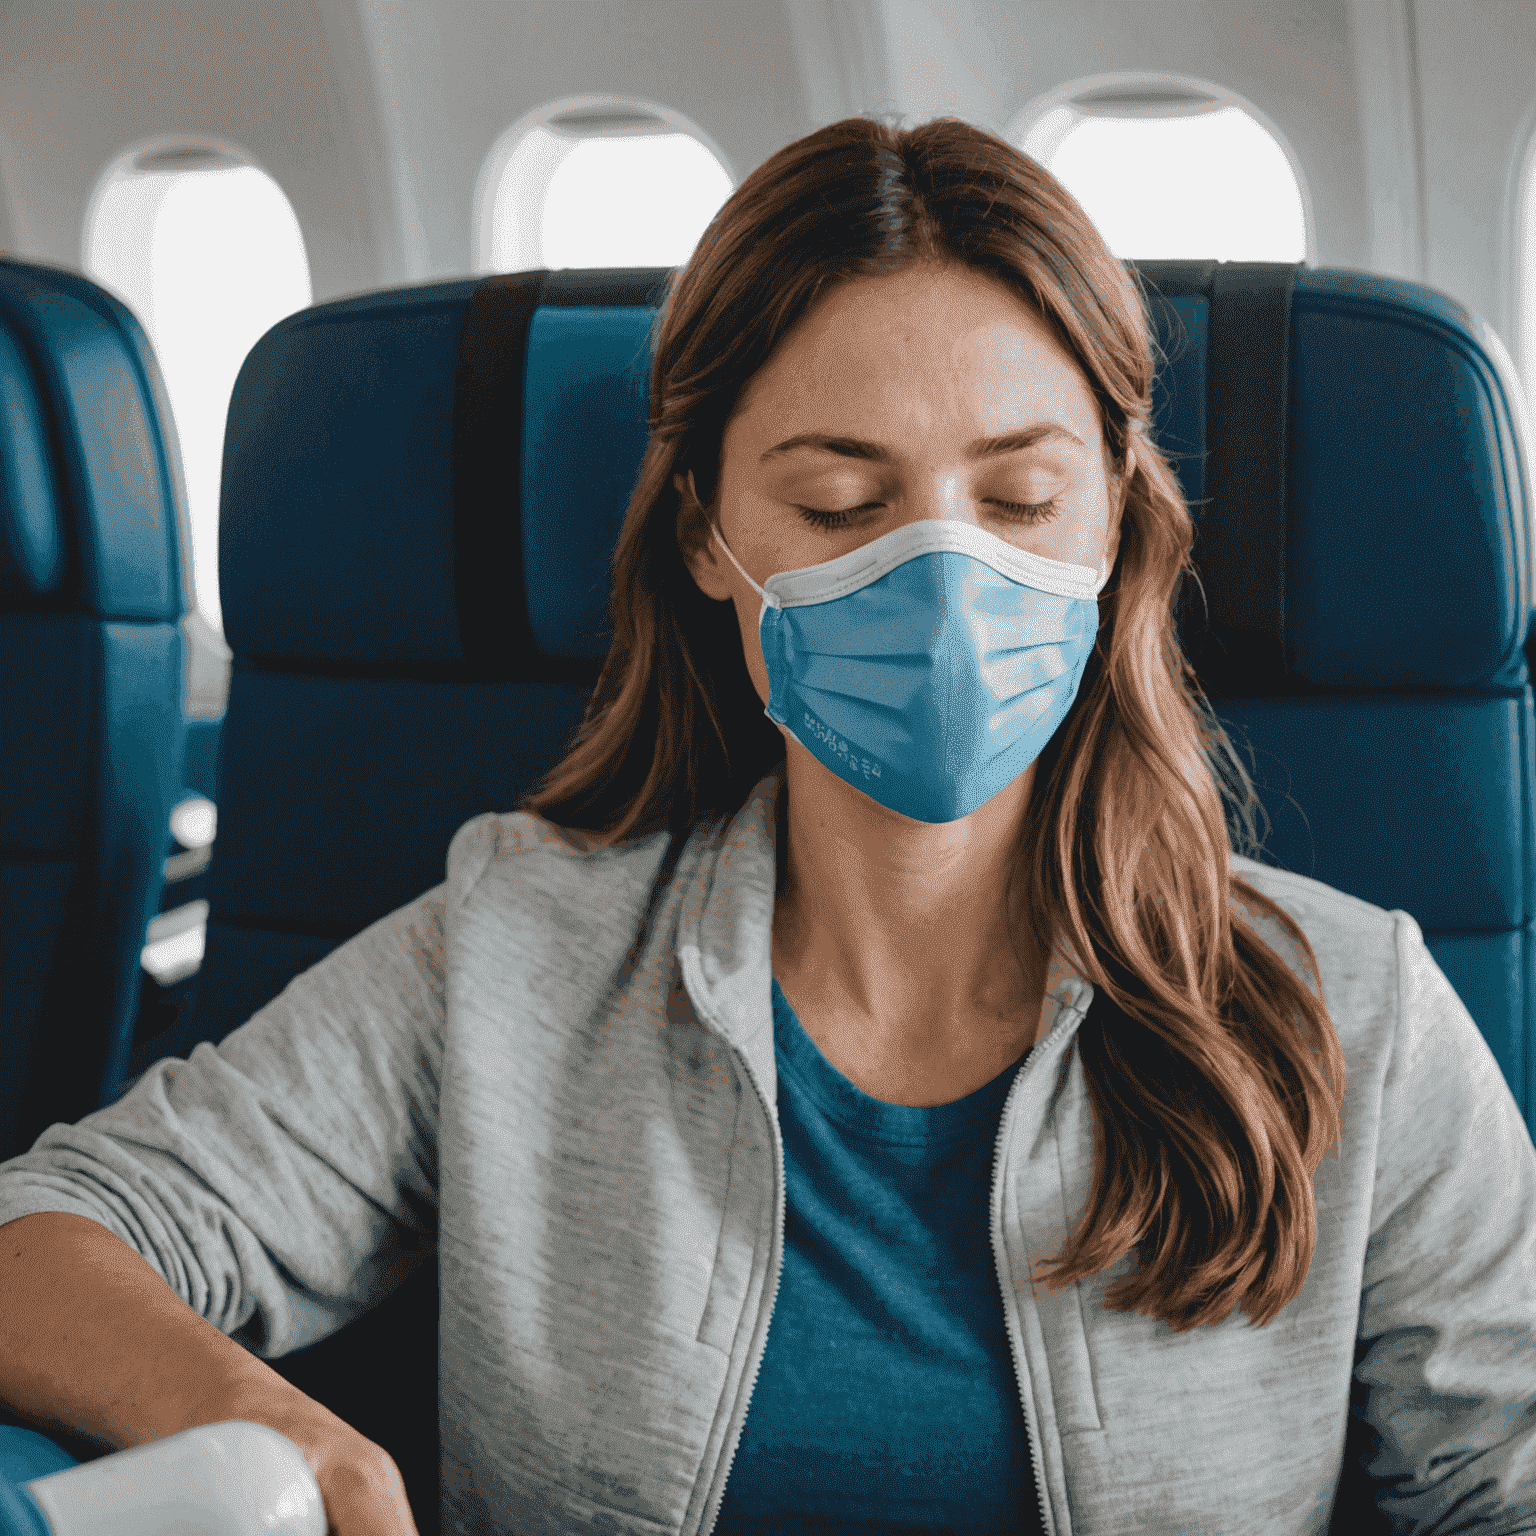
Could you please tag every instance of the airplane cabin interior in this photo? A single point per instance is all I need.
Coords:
(325, 336)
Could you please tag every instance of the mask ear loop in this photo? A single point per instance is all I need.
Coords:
(770, 599)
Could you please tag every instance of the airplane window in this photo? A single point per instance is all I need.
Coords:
(1175, 175)
(631, 202)
(207, 252)
(576, 193)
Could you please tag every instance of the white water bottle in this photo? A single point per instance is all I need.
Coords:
(230, 1479)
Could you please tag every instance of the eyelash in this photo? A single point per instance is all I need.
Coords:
(1025, 512)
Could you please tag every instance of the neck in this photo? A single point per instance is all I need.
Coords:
(903, 925)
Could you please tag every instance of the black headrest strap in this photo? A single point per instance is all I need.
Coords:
(1240, 530)
(487, 471)
(1240, 550)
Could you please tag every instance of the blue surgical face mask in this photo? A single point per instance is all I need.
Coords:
(930, 667)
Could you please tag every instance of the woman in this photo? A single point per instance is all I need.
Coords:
(860, 1090)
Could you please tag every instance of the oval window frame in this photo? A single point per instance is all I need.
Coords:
(517, 153)
(1140, 95)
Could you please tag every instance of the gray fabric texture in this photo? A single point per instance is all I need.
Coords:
(557, 1068)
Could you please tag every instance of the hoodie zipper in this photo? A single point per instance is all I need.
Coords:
(773, 1293)
(1015, 1340)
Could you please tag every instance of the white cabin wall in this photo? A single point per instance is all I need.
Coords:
(1387, 85)
(1477, 82)
(80, 81)
(377, 224)
(843, 55)
(7, 222)
(454, 75)
(952, 58)
(1410, 118)
(1290, 58)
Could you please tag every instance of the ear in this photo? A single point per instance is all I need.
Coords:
(694, 541)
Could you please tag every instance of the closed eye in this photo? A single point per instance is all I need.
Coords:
(1031, 511)
(1017, 511)
(835, 517)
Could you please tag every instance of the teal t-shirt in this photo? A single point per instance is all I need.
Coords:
(887, 1403)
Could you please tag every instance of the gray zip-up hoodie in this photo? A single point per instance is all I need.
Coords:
(559, 1067)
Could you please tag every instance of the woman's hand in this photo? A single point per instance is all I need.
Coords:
(362, 1488)
(359, 1482)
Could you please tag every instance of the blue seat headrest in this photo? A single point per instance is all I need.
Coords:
(584, 435)
(88, 486)
(1408, 562)
(31, 538)
(1362, 513)
(435, 476)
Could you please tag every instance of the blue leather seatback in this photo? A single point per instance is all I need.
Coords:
(91, 656)
(1368, 622)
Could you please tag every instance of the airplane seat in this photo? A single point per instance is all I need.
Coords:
(1351, 446)
(200, 761)
(391, 676)
(421, 487)
(91, 602)
(1352, 449)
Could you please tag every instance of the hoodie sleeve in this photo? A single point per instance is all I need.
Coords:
(285, 1180)
(1443, 1401)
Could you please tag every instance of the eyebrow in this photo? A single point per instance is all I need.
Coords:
(878, 453)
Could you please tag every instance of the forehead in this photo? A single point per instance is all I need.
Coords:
(929, 344)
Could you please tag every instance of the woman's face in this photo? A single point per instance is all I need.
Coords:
(933, 393)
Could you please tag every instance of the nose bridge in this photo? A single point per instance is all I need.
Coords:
(930, 490)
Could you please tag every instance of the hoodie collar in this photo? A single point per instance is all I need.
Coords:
(725, 931)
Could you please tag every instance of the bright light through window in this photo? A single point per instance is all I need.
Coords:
(209, 260)
(631, 202)
(1215, 186)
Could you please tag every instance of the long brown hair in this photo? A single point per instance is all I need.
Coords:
(1214, 1109)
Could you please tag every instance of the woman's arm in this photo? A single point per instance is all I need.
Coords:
(93, 1342)
(1445, 1364)
(284, 1181)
